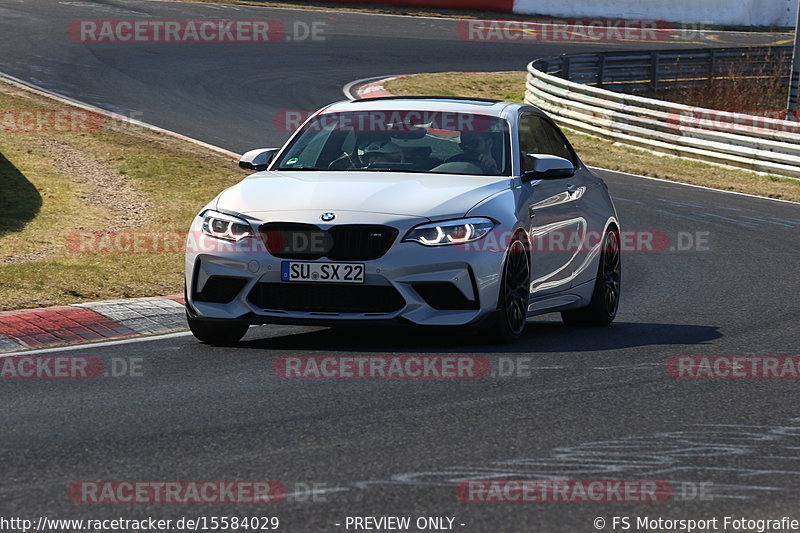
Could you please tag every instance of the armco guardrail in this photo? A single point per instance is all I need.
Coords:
(669, 68)
(752, 142)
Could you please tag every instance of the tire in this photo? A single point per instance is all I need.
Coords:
(512, 300)
(216, 333)
(602, 309)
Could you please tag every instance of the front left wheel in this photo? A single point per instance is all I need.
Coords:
(216, 333)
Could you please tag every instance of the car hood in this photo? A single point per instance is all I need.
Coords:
(407, 194)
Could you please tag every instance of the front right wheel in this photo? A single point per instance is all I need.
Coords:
(605, 298)
(512, 302)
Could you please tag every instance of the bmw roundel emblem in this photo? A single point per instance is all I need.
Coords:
(327, 217)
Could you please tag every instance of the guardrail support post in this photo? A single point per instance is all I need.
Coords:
(654, 70)
(601, 72)
(712, 67)
(794, 79)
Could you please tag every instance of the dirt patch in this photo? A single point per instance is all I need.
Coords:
(99, 185)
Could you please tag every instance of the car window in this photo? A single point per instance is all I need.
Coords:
(558, 142)
(537, 136)
(307, 150)
(402, 141)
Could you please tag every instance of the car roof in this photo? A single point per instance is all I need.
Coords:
(424, 103)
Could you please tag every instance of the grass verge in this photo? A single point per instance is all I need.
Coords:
(116, 178)
(597, 152)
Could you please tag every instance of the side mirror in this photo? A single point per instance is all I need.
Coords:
(547, 167)
(258, 160)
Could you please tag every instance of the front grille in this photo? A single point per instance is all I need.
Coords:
(360, 243)
(318, 297)
(348, 242)
(220, 289)
(443, 296)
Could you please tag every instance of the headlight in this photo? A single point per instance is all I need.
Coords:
(450, 232)
(226, 227)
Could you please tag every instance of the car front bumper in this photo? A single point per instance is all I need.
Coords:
(411, 283)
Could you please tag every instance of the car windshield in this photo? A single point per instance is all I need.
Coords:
(402, 141)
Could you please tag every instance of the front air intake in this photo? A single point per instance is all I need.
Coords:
(220, 289)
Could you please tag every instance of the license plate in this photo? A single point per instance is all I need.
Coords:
(322, 272)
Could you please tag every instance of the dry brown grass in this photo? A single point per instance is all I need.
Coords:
(56, 184)
(498, 85)
(761, 91)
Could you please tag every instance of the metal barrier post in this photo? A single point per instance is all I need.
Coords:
(601, 72)
(794, 79)
(712, 70)
(654, 70)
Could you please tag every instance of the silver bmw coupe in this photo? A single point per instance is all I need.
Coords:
(428, 211)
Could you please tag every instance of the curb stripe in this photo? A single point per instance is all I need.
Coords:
(58, 325)
(92, 321)
(143, 315)
(376, 89)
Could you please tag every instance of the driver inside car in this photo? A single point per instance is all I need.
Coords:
(477, 148)
(377, 152)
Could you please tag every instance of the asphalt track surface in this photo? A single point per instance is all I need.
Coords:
(597, 404)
